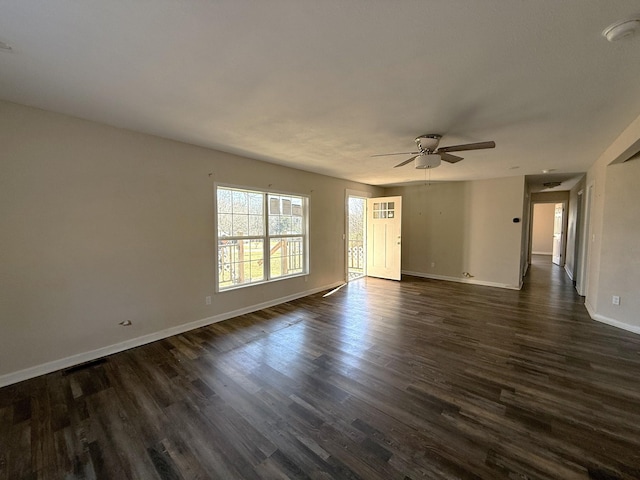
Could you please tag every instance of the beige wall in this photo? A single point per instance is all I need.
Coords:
(542, 232)
(455, 227)
(550, 197)
(620, 256)
(613, 258)
(101, 225)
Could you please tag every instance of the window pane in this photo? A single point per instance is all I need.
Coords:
(225, 224)
(256, 206)
(240, 202)
(274, 205)
(275, 225)
(256, 225)
(296, 207)
(240, 262)
(224, 200)
(240, 225)
(276, 267)
(287, 256)
(296, 225)
(286, 206)
(285, 215)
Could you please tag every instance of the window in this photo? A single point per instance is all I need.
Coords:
(261, 236)
(383, 210)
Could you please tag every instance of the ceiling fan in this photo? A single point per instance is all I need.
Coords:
(429, 155)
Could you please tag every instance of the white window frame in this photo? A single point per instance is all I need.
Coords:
(266, 237)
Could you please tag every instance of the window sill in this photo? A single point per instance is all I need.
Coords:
(263, 282)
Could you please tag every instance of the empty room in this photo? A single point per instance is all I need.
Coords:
(288, 239)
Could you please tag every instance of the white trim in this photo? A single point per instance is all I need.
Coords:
(610, 321)
(345, 236)
(568, 272)
(582, 284)
(44, 368)
(541, 253)
(462, 280)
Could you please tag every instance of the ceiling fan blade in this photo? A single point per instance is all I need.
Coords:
(447, 157)
(401, 153)
(406, 161)
(468, 146)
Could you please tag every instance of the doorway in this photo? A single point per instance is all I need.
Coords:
(542, 229)
(548, 237)
(384, 237)
(557, 251)
(373, 236)
(356, 237)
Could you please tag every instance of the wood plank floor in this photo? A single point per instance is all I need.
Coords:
(419, 379)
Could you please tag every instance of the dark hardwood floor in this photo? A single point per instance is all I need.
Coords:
(419, 379)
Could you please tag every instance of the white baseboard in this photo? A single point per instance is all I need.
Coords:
(462, 280)
(569, 272)
(542, 253)
(611, 321)
(73, 360)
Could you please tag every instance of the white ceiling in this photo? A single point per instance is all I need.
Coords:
(323, 85)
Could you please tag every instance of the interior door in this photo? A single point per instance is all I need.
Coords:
(558, 234)
(384, 240)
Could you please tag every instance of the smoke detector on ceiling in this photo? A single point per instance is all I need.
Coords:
(621, 29)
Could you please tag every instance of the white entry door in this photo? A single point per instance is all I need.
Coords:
(558, 234)
(384, 241)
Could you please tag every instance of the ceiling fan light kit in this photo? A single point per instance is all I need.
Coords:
(428, 161)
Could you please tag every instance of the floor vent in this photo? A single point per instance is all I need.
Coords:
(84, 366)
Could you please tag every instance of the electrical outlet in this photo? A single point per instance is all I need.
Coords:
(433, 264)
(207, 300)
(615, 300)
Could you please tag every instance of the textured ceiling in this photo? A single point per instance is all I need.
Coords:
(323, 85)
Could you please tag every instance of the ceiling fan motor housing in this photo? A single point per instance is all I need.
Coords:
(428, 142)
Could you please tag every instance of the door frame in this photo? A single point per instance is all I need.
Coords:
(565, 221)
(345, 236)
(582, 282)
(562, 254)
